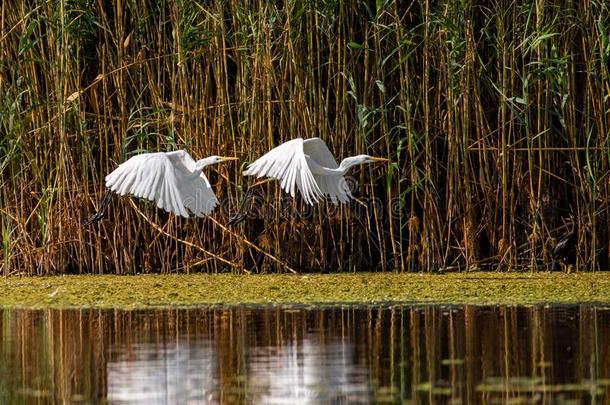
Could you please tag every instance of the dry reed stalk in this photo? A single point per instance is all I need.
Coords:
(496, 119)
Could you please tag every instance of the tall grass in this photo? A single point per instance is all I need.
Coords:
(495, 115)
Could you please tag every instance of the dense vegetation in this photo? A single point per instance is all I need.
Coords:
(159, 290)
(495, 115)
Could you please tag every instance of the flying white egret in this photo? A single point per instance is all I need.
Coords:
(308, 165)
(174, 180)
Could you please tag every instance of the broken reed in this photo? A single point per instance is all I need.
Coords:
(494, 114)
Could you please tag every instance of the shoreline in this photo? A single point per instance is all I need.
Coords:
(180, 290)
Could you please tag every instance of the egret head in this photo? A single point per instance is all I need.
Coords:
(219, 159)
(362, 159)
(359, 160)
(372, 159)
(212, 160)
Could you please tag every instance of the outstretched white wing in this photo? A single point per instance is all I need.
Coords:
(167, 179)
(333, 185)
(288, 164)
(182, 156)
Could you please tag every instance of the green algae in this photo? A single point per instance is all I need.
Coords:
(144, 291)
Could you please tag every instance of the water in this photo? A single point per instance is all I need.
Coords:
(267, 355)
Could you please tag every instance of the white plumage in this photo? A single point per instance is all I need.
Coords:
(172, 179)
(308, 165)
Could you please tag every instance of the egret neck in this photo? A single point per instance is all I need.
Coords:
(212, 160)
(345, 165)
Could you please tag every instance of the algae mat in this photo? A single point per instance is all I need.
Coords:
(144, 291)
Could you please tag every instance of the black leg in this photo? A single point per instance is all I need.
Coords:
(241, 215)
(101, 212)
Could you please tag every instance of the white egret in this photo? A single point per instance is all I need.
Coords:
(308, 165)
(174, 180)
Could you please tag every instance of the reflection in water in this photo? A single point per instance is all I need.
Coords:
(177, 373)
(311, 372)
(416, 354)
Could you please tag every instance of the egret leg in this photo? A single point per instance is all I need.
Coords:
(97, 216)
(241, 215)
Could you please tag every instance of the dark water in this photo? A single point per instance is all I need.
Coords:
(397, 354)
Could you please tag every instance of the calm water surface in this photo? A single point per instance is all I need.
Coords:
(268, 355)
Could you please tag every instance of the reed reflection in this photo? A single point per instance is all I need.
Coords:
(175, 373)
(312, 372)
(420, 354)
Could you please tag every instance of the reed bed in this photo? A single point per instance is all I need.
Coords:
(495, 115)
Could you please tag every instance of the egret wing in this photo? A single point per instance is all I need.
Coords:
(334, 185)
(198, 195)
(183, 157)
(317, 149)
(163, 178)
(288, 164)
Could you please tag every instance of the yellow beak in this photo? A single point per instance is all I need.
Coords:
(379, 159)
(227, 159)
